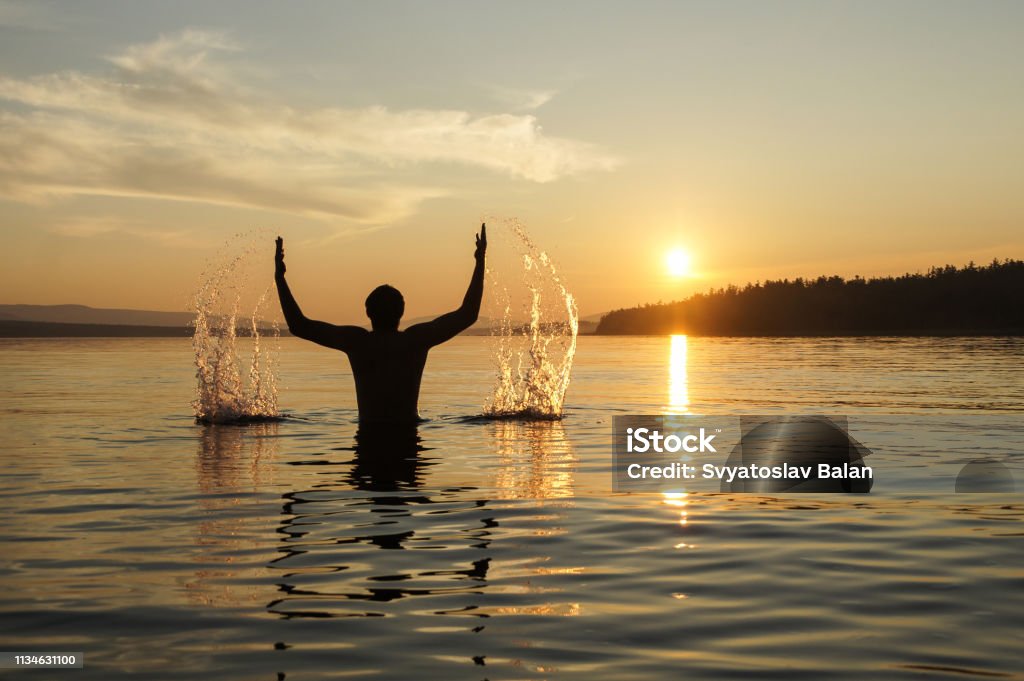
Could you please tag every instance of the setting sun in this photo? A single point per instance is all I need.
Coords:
(678, 263)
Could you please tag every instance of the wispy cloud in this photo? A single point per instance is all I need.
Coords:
(522, 100)
(84, 228)
(173, 120)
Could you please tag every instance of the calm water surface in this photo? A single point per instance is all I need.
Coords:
(493, 550)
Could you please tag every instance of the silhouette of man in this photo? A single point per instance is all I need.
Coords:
(387, 364)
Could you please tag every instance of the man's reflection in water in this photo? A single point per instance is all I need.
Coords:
(338, 529)
(387, 459)
(387, 535)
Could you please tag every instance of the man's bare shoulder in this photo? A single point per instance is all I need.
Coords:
(418, 334)
(348, 338)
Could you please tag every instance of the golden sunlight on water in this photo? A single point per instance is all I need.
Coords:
(536, 460)
(232, 466)
(280, 546)
(677, 500)
(678, 386)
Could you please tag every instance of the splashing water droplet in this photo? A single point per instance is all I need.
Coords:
(535, 334)
(223, 393)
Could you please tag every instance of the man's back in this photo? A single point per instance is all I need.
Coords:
(387, 367)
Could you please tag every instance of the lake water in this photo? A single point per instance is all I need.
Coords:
(163, 549)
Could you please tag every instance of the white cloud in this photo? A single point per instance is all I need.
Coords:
(522, 100)
(92, 227)
(174, 121)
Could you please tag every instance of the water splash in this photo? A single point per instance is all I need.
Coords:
(225, 392)
(535, 333)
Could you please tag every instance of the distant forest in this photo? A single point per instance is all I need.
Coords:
(970, 300)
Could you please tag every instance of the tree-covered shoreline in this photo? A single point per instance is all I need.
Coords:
(969, 300)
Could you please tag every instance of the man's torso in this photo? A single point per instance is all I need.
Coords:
(387, 367)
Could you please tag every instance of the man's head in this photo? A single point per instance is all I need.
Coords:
(385, 306)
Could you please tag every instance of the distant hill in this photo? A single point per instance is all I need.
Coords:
(82, 314)
(485, 325)
(482, 327)
(589, 324)
(25, 329)
(947, 300)
(48, 321)
(84, 321)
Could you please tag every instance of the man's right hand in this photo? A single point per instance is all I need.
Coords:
(481, 243)
(279, 268)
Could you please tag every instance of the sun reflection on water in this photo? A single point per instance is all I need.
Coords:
(677, 500)
(678, 384)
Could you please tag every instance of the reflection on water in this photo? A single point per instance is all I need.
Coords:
(387, 460)
(535, 460)
(378, 504)
(235, 459)
(679, 500)
(379, 538)
(167, 550)
(678, 382)
(233, 465)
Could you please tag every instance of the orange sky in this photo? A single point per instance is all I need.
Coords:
(767, 140)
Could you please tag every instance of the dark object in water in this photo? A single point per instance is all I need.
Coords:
(985, 475)
(799, 441)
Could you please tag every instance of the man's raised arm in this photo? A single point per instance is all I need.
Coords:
(301, 326)
(449, 325)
